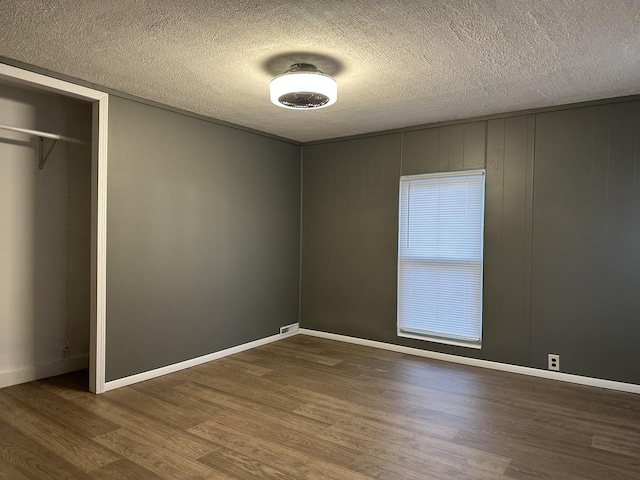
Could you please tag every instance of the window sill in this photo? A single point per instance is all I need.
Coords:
(445, 341)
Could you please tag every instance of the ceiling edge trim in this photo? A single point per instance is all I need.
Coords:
(483, 118)
(134, 98)
(127, 96)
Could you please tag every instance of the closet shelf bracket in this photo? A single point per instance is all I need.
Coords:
(37, 133)
(43, 156)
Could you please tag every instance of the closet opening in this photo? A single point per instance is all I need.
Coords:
(52, 275)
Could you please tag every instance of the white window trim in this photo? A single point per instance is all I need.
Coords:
(436, 338)
(443, 340)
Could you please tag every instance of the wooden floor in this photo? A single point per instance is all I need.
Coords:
(307, 408)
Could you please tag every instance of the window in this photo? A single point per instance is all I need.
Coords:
(440, 246)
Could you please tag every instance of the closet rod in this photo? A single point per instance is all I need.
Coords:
(40, 134)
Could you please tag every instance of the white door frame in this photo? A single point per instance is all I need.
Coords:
(100, 102)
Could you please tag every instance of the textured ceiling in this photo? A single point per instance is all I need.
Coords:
(397, 63)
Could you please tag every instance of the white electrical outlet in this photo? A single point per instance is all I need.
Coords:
(554, 362)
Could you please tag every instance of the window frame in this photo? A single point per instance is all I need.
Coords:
(431, 336)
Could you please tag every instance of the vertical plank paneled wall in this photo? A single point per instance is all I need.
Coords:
(562, 234)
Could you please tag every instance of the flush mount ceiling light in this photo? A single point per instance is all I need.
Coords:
(302, 87)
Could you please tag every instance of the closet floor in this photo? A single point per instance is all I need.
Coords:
(309, 408)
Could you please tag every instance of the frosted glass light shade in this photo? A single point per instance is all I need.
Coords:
(301, 90)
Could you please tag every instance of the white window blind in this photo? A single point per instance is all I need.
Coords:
(440, 245)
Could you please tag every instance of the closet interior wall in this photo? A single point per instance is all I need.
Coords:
(45, 228)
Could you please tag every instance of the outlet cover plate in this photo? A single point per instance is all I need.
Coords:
(553, 362)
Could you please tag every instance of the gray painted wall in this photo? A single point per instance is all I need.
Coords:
(561, 272)
(586, 241)
(203, 237)
(204, 225)
(350, 236)
(507, 257)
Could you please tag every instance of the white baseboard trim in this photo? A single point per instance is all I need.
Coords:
(158, 372)
(43, 370)
(505, 367)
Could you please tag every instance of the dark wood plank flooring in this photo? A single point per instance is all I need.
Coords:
(308, 408)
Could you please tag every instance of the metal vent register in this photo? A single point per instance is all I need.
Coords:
(303, 99)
